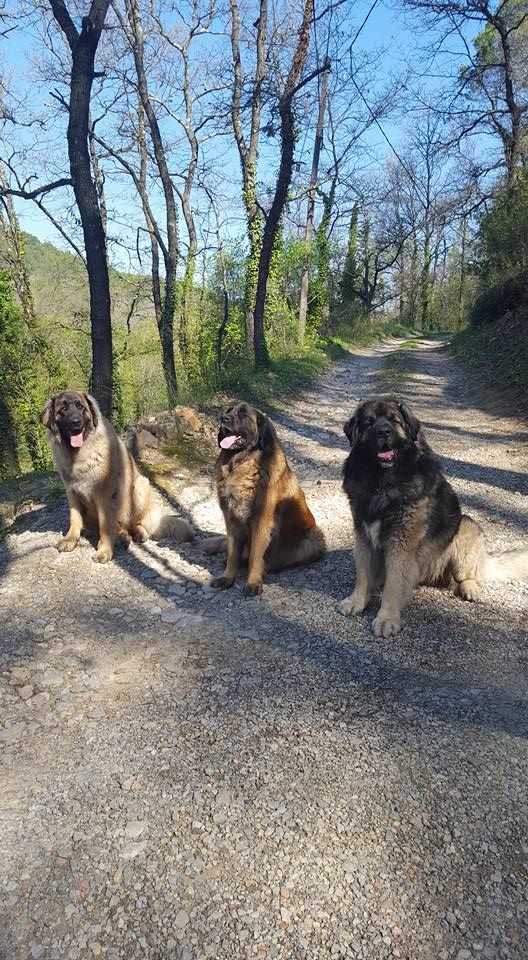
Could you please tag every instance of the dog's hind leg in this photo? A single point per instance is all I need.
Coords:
(468, 559)
(311, 547)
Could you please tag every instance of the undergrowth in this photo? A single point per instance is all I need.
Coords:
(497, 353)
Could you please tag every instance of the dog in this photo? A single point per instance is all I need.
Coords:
(106, 493)
(267, 520)
(408, 523)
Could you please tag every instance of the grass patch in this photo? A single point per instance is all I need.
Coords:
(497, 355)
(287, 375)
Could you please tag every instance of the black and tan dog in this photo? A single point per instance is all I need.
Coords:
(408, 523)
(267, 519)
(105, 490)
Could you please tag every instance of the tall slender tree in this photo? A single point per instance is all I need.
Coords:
(83, 46)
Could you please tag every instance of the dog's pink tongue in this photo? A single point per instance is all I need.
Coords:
(386, 455)
(228, 442)
(77, 439)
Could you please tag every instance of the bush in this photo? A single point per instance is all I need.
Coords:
(500, 299)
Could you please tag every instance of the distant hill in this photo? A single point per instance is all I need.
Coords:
(60, 286)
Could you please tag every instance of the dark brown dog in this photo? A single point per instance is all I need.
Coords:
(105, 490)
(267, 519)
(407, 518)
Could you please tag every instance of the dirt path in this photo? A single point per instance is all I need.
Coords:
(189, 775)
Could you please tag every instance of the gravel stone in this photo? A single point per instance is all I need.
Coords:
(196, 776)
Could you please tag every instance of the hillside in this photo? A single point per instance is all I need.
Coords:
(60, 287)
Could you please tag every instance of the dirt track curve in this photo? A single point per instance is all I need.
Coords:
(190, 775)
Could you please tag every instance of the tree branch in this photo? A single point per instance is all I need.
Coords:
(32, 194)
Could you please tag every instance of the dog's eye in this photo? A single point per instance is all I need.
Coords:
(394, 419)
(369, 421)
(78, 404)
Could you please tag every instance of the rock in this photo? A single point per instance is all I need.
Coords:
(25, 692)
(171, 616)
(135, 828)
(146, 439)
(52, 678)
(181, 919)
(12, 733)
(97, 713)
(132, 850)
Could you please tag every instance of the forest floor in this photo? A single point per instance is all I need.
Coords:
(188, 774)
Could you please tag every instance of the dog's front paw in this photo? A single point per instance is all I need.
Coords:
(252, 589)
(139, 534)
(67, 544)
(354, 604)
(102, 555)
(468, 590)
(222, 583)
(386, 624)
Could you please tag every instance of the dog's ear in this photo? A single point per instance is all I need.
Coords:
(351, 428)
(411, 422)
(267, 435)
(47, 415)
(93, 407)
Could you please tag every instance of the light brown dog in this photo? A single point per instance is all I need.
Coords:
(267, 519)
(105, 490)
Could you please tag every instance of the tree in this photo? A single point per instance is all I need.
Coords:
(309, 228)
(495, 79)
(287, 148)
(83, 46)
(170, 248)
(248, 148)
(349, 279)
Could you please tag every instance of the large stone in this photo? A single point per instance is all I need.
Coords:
(146, 439)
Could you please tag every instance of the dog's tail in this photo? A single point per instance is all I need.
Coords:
(509, 565)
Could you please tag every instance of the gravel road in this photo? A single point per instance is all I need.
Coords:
(191, 775)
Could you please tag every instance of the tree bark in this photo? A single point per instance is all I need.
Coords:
(83, 48)
(9, 462)
(248, 152)
(309, 228)
(271, 227)
(171, 249)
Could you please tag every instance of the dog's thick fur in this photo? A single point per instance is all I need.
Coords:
(267, 519)
(106, 493)
(408, 523)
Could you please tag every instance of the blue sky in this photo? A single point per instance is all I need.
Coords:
(386, 28)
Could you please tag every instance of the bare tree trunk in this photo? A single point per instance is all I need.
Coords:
(9, 462)
(171, 249)
(309, 228)
(248, 152)
(83, 48)
(425, 285)
(462, 277)
(151, 225)
(513, 148)
(271, 227)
